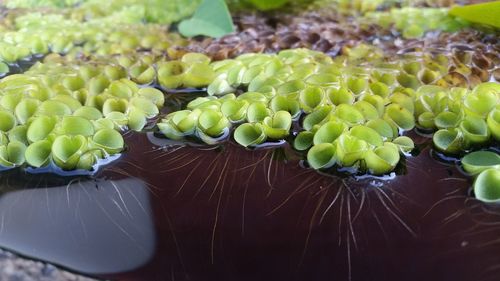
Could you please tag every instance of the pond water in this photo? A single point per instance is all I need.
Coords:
(169, 212)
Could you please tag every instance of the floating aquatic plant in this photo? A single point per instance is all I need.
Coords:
(53, 113)
(465, 119)
(478, 161)
(250, 134)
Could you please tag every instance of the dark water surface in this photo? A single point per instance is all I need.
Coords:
(226, 213)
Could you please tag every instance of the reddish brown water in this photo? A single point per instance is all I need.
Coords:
(184, 213)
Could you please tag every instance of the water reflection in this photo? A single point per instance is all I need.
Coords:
(93, 226)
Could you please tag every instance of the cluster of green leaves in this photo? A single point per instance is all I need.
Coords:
(464, 119)
(39, 34)
(152, 11)
(415, 22)
(69, 115)
(41, 3)
(346, 115)
(485, 166)
(353, 118)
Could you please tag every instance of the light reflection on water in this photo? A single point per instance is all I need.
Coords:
(97, 227)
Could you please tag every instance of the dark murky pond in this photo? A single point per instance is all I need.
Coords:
(223, 213)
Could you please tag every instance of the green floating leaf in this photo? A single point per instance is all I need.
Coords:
(19, 133)
(103, 123)
(356, 85)
(367, 134)
(4, 68)
(475, 130)
(446, 119)
(88, 159)
(12, 155)
(114, 72)
(9, 101)
(109, 140)
(483, 99)
(88, 112)
(321, 156)
(350, 149)
(311, 98)
(171, 74)
(400, 116)
(212, 19)
(40, 128)
(340, 96)
(257, 112)
(304, 140)
(404, 143)
(136, 119)
(329, 132)
(120, 89)
(38, 153)
(381, 160)
(114, 105)
(284, 103)
(383, 128)
(4, 140)
(278, 125)
(53, 108)
(191, 58)
(494, 123)
(152, 94)
(318, 116)
(484, 13)
(142, 74)
(145, 105)
(349, 114)
(178, 124)
(219, 86)
(249, 134)
(487, 186)
(66, 151)
(198, 75)
(426, 120)
(291, 87)
(448, 140)
(234, 110)
(70, 101)
(478, 161)
(74, 125)
(7, 121)
(367, 109)
(212, 123)
(98, 84)
(73, 83)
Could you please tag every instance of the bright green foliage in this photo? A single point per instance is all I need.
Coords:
(69, 115)
(484, 13)
(465, 119)
(414, 22)
(212, 19)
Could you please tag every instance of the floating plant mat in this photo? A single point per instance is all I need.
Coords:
(127, 156)
(224, 207)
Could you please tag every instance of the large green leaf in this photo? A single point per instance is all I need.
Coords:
(212, 19)
(485, 13)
